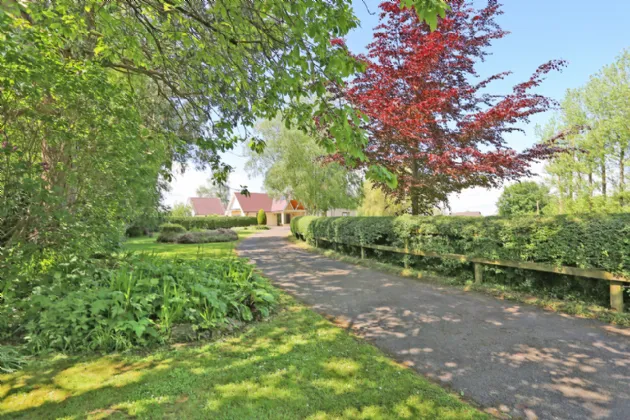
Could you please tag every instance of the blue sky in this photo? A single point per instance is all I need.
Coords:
(588, 35)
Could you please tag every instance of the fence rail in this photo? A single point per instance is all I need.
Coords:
(616, 282)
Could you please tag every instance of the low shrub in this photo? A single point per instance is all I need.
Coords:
(207, 236)
(138, 302)
(213, 222)
(135, 231)
(593, 241)
(168, 237)
(172, 228)
(261, 218)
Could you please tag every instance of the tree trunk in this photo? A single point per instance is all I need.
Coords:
(560, 197)
(590, 189)
(415, 197)
(604, 177)
(570, 183)
(622, 186)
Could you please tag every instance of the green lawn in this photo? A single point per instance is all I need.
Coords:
(221, 249)
(295, 365)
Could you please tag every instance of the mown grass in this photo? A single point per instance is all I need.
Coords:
(168, 250)
(569, 307)
(296, 365)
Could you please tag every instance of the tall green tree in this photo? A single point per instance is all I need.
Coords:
(294, 166)
(98, 99)
(213, 188)
(79, 162)
(523, 198)
(181, 210)
(590, 176)
(375, 202)
(220, 65)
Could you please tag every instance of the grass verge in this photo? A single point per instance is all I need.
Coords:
(295, 365)
(570, 307)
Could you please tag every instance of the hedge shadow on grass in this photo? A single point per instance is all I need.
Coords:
(296, 366)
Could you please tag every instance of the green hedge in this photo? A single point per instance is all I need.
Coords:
(213, 222)
(299, 225)
(599, 242)
(172, 228)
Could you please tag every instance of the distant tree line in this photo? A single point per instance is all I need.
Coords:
(590, 175)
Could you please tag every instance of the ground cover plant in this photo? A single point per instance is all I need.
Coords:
(589, 241)
(138, 302)
(296, 365)
(119, 301)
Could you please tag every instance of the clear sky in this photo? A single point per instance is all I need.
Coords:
(588, 35)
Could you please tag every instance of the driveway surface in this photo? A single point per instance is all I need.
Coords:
(509, 358)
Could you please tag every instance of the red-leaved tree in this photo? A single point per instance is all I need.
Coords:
(429, 119)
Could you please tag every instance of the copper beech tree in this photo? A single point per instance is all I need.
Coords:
(429, 119)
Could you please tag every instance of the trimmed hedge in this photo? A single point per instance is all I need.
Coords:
(172, 228)
(213, 222)
(299, 225)
(594, 241)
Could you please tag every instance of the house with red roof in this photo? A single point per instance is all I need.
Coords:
(279, 212)
(206, 206)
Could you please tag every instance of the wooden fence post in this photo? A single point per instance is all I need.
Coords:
(406, 257)
(478, 273)
(616, 295)
(362, 252)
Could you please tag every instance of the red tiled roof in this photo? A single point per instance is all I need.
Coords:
(206, 206)
(257, 201)
(254, 202)
(278, 205)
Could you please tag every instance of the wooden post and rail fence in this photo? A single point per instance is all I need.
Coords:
(616, 282)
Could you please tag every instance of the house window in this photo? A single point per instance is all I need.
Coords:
(345, 213)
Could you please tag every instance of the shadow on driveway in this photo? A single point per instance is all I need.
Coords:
(509, 358)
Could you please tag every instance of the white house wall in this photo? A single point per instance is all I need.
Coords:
(234, 207)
